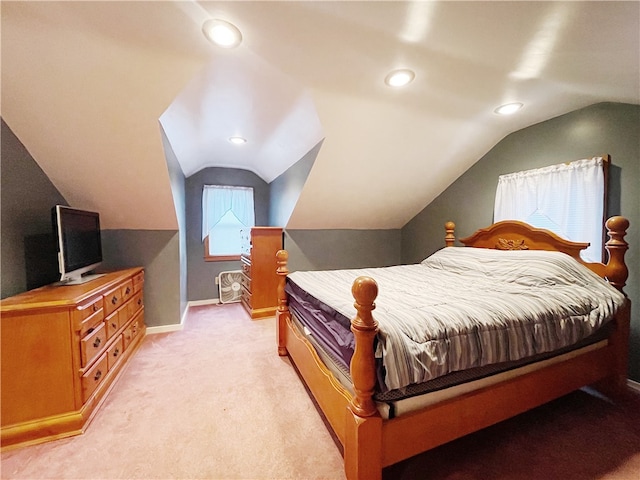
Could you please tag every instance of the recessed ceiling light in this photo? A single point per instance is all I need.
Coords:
(237, 140)
(223, 34)
(399, 78)
(508, 108)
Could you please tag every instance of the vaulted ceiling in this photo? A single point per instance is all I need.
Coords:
(87, 86)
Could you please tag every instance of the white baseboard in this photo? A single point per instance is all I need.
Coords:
(165, 328)
(197, 303)
(180, 326)
(635, 386)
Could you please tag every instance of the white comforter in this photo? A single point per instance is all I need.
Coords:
(468, 307)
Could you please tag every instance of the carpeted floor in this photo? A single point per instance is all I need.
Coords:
(214, 401)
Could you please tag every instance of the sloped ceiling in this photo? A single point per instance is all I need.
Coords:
(85, 85)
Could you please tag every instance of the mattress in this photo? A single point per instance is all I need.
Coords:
(460, 309)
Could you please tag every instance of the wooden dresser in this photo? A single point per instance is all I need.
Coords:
(259, 279)
(63, 347)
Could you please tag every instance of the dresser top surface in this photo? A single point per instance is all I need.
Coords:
(56, 295)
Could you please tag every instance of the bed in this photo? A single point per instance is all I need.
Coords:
(375, 433)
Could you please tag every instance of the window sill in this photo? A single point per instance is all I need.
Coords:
(221, 258)
(217, 258)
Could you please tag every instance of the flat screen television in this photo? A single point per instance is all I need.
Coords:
(78, 242)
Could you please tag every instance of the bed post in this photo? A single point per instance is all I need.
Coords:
(449, 238)
(363, 431)
(364, 328)
(282, 312)
(616, 272)
(616, 269)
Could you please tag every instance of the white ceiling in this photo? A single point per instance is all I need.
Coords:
(241, 95)
(85, 86)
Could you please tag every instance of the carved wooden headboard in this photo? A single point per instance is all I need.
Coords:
(515, 235)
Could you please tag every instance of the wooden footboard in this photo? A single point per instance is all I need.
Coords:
(371, 443)
(329, 393)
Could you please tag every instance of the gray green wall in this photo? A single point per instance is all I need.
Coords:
(27, 198)
(335, 249)
(177, 179)
(201, 275)
(605, 128)
(158, 252)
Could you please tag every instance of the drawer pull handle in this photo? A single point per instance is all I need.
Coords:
(95, 307)
(97, 342)
(113, 325)
(116, 352)
(127, 291)
(114, 300)
(139, 301)
(90, 330)
(97, 375)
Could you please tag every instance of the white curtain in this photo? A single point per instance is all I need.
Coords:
(217, 200)
(567, 199)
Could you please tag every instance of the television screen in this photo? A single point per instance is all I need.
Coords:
(79, 242)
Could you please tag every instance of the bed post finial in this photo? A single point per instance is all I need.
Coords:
(449, 238)
(617, 271)
(364, 328)
(282, 312)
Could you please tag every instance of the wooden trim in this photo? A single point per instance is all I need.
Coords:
(217, 258)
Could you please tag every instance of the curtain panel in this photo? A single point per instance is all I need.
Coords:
(217, 200)
(567, 199)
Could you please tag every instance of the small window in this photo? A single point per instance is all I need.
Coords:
(225, 211)
(568, 199)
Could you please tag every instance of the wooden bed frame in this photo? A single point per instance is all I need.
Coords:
(371, 443)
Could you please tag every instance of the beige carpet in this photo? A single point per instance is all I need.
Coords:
(215, 401)
(212, 401)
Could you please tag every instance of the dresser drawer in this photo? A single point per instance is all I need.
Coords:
(89, 315)
(113, 300)
(114, 353)
(246, 297)
(133, 330)
(92, 343)
(138, 281)
(92, 377)
(112, 323)
(126, 290)
(245, 282)
(127, 336)
(246, 267)
(135, 304)
(138, 325)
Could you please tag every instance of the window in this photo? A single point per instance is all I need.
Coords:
(225, 211)
(568, 199)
